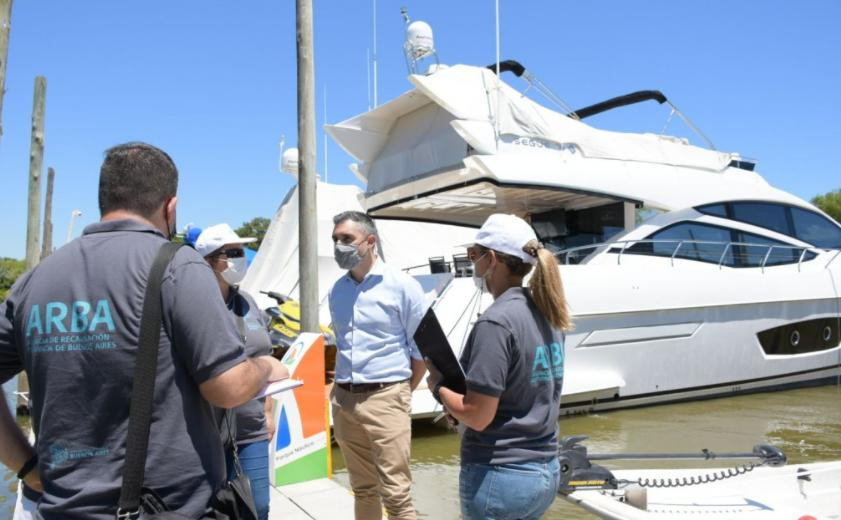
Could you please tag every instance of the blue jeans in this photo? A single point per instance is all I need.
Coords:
(254, 459)
(522, 490)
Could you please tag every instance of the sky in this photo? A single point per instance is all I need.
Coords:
(214, 84)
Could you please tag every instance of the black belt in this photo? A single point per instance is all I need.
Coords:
(361, 388)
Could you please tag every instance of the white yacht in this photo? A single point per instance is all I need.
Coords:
(688, 275)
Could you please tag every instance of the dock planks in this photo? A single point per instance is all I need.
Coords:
(321, 499)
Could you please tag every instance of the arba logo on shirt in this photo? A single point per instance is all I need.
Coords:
(80, 316)
(548, 363)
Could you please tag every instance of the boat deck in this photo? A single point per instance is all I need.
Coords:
(321, 499)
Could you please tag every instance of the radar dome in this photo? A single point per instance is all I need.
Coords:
(289, 162)
(419, 40)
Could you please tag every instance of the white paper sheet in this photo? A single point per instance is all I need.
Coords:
(280, 386)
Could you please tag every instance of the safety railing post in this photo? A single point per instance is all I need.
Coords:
(764, 260)
(674, 253)
(619, 258)
(724, 254)
(800, 260)
(833, 258)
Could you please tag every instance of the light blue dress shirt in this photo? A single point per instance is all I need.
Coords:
(374, 321)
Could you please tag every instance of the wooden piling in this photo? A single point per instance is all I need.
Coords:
(47, 246)
(307, 224)
(5, 26)
(36, 160)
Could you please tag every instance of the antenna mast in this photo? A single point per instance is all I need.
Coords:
(375, 53)
(498, 92)
(368, 75)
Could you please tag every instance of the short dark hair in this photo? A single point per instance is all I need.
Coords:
(364, 221)
(136, 177)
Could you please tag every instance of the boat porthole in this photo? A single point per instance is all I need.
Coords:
(827, 333)
(795, 338)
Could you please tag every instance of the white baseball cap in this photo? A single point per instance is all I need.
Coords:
(214, 237)
(507, 234)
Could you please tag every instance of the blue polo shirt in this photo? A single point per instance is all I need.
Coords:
(374, 321)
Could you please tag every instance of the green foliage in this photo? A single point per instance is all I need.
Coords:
(256, 228)
(830, 203)
(10, 269)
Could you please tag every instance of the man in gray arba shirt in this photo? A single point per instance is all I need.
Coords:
(72, 323)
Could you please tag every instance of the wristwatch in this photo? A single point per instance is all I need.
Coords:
(28, 466)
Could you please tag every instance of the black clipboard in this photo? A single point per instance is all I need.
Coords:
(433, 344)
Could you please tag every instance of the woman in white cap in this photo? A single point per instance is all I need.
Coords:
(223, 249)
(514, 364)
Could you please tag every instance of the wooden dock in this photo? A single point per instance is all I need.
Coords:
(321, 499)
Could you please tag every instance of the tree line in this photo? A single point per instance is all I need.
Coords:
(830, 203)
(11, 268)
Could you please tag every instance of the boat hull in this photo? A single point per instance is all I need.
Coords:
(646, 336)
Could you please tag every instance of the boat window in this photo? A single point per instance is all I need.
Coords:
(716, 244)
(694, 246)
(815, 229)
(769, 216)
(643, 214)
(800, 223)
(550, 226)
(565, 229)
(594, 225)
(750, 255)
(718, 210)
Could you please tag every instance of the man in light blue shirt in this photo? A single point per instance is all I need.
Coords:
(375, 311)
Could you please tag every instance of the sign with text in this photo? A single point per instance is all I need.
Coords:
(300, 448)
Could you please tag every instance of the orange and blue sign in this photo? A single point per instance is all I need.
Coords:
(300, 449)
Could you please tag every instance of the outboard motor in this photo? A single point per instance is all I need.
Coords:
(576, 470)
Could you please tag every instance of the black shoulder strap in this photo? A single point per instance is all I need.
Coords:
(143, 387)
(239, 313)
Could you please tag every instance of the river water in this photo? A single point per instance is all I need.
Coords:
(805, 424)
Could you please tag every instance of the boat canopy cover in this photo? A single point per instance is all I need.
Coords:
(441, 137)
(475, 95)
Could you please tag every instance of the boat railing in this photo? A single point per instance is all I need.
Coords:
(838, 252)
(739, 253)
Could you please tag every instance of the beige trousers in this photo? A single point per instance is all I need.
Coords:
(374, 432)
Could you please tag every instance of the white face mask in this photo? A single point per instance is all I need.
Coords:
(479, 281)
(237, 267)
